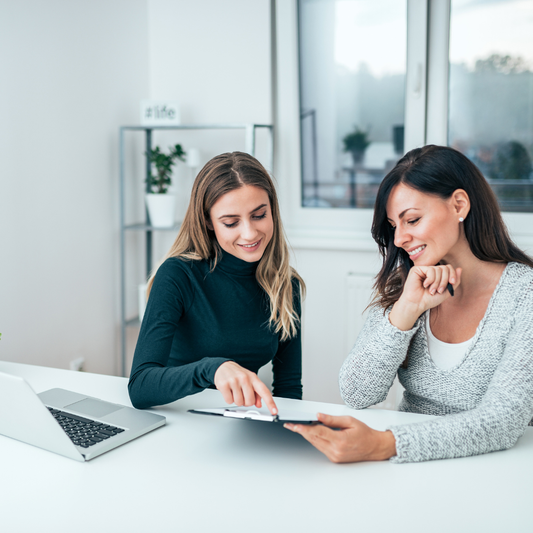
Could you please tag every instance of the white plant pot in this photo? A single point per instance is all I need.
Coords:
(161, 209)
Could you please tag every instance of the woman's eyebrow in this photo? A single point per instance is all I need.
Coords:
(257, 208)
(237, 216)
(402, 214)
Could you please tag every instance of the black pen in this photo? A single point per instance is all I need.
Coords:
(450, 288)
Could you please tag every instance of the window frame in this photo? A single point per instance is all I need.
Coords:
(426, 121)
(520, 225)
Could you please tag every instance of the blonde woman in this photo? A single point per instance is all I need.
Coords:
(225, 301)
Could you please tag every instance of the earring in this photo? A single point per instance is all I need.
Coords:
(461, 219)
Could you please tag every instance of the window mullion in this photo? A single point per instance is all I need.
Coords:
(438, 71)
(416, 79)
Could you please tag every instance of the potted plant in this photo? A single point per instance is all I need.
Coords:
(356, 143)
(161, 205)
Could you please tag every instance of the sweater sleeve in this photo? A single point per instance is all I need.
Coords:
(369, 371)
(287, 363)
(151, 381)
(497, 422)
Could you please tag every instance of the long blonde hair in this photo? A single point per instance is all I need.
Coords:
(195, 241)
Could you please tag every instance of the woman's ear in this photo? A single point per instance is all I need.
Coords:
(461, 203)
(209, 224)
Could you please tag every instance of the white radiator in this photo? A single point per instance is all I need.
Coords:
(358, 296)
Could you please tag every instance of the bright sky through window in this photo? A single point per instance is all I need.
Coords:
(506, 30)
(370, 33)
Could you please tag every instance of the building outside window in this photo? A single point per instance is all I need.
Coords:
(352, 95)
(358, 77)
(491, 94)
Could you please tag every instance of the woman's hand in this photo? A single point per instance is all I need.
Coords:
(242, 387)
(425, 288)
(351, 441)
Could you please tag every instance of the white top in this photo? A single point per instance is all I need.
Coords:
(444, 354)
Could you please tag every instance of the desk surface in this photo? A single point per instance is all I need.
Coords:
(200, 474)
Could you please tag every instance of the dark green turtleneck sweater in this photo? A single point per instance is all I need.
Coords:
(196, 319)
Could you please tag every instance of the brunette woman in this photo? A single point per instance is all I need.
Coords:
(453, 317)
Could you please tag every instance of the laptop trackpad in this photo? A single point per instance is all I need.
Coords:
(94, 408)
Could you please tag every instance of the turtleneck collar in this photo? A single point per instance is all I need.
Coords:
(235, 266)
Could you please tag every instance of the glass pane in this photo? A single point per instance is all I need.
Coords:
(352, 87)
(491, 94)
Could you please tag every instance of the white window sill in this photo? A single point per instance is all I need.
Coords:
(314, 239)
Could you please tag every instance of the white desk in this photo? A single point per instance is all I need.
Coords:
(205, 474)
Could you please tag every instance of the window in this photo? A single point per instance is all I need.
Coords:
(352, 98)
(464, 71)
(491, 94)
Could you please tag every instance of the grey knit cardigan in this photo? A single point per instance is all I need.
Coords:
(484, 403)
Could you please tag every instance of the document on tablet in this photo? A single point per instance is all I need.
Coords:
(262, 414)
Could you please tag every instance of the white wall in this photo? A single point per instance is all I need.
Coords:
(214, 57)
(71, 73)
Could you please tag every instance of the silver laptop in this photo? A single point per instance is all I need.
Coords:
(68, 423)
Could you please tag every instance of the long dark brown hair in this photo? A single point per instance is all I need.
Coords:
(439, 170)
(195, 241)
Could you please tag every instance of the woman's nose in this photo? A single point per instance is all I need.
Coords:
(400, 237)
(248, 231)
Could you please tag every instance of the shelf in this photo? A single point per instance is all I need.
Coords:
(232, 126)
(250, 138)
(147, 227)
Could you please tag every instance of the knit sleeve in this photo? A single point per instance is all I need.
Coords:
(369, 371)
(501, 417)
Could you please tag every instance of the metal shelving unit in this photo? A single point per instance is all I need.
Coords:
(144, 226)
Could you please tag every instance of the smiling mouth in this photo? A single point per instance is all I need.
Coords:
(253, 245)
(417, 250)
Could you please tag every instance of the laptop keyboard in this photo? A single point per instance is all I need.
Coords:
(83, 431)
